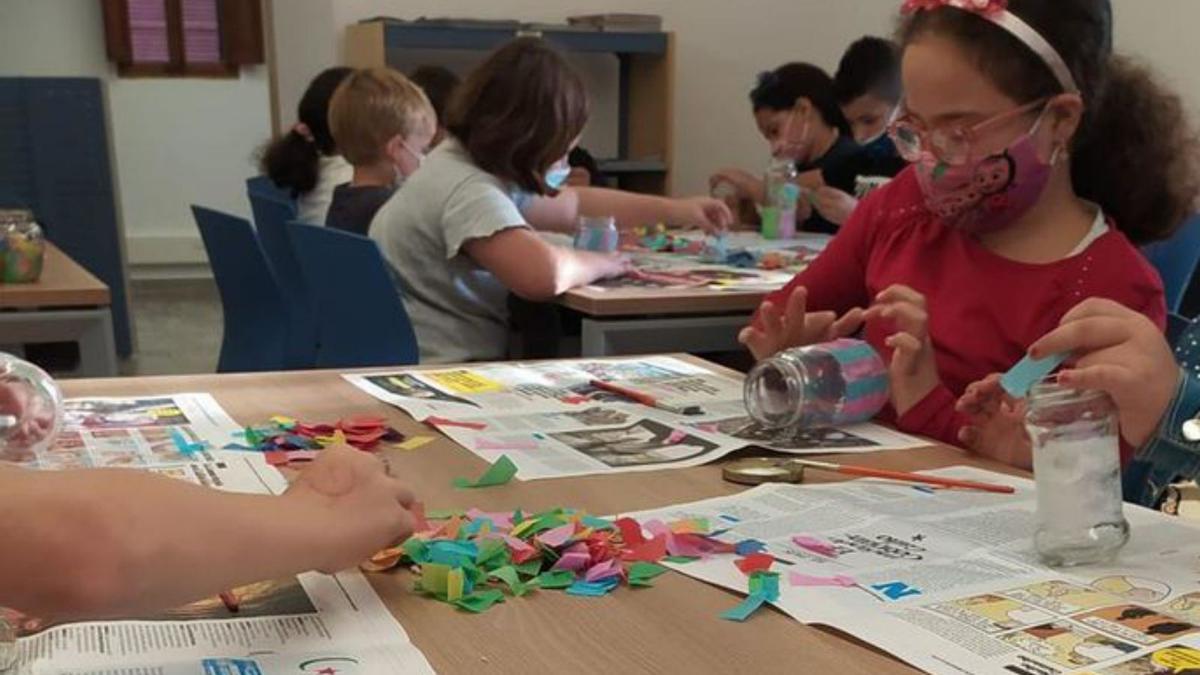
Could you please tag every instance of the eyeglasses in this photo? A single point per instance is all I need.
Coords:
(950, 145)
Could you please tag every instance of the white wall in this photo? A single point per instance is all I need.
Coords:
(722, 45)
(176, 141)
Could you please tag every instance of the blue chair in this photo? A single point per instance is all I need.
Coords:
(1176, 326)
(271, 216)
(264, 187)
(363, 319)
(1176, 260)
(256, 327)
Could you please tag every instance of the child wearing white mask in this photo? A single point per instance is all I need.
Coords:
(383, 124)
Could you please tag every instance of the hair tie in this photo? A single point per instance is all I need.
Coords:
(304, 132)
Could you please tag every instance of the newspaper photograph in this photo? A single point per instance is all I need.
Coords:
(552, 421)
(948, 581)
(135, 432)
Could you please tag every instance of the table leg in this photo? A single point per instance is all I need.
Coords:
(658, 335)
(97, 348)
(91, 328)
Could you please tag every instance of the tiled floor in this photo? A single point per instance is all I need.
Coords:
(178, 326)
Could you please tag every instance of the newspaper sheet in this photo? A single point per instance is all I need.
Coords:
(310, 623)
(947, 580)
(136, 432)
(552, 422)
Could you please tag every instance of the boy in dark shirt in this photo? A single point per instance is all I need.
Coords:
(382, 124)
(867, 87)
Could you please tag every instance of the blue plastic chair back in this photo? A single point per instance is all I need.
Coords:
(1177, 325)
(264, 187)
(256, 328)
(363, 321)
(271, 216)
(1176, 260)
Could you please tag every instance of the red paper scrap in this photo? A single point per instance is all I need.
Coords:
(755, 562)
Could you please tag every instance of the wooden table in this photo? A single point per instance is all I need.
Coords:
(671, 628)
(68, 304)
(632, 320)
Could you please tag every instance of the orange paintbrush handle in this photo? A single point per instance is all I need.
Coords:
(922, 478)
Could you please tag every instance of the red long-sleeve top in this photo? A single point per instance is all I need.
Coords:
(984, 310)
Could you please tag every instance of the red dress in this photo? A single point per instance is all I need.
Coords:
(984, 310)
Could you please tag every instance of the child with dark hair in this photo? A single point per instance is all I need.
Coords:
(460, 232)
(867, 87)
(305, 161)
(797, 113)
(439, 84)
(1039, 159)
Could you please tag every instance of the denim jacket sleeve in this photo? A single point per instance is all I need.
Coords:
(1168, 457)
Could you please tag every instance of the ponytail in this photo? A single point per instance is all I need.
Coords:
(293, 161)
(1137, 154)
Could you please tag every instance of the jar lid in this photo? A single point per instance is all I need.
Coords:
(15, 216)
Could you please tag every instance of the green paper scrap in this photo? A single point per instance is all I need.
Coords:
(641, 573)
(508, 575)
(764, 588)
(530, 568)
(555, 579)
(681, 559)
(493, 550)
(480, 601)
(497, 474)
(434, 578)
(444, 514)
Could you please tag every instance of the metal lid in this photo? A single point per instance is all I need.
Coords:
(15, 216)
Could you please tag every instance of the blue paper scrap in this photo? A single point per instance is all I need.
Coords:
(1021, 378)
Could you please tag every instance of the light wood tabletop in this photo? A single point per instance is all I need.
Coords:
(670, 628)
(634, 301)
(64, 283)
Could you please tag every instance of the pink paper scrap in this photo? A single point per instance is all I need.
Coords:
(840, 580)
(814, 545)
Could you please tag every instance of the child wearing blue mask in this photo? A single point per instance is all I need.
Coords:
(460, 232)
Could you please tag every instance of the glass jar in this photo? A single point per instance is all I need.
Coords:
(598, 234)
(31, 410)
(22, 247)
(782, 192)
(1077, 467)
(8, 645)
(823, 385)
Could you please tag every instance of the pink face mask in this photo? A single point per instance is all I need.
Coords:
(988, 194)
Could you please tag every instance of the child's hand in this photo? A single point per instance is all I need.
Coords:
(996, 427)
(1122, 353)
(710, 215)
(913, 369)
(354, 507)
(796, 327)
(834, 205)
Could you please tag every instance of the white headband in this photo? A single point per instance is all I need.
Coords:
(1034, 40)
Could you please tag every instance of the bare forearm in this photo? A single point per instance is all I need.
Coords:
(112, 543)
(628, 208)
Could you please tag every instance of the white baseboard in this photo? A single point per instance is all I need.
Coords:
(167, 257)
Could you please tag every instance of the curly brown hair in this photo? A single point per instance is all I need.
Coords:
(1136, 152)
(519, 112)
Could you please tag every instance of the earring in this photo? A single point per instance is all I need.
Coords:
(1060, 152)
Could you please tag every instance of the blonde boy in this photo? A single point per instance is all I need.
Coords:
(382, 124)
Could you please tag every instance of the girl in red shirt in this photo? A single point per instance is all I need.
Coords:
(1037, 157)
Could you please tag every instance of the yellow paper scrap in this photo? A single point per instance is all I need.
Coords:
(416, 442)
(454, 585)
